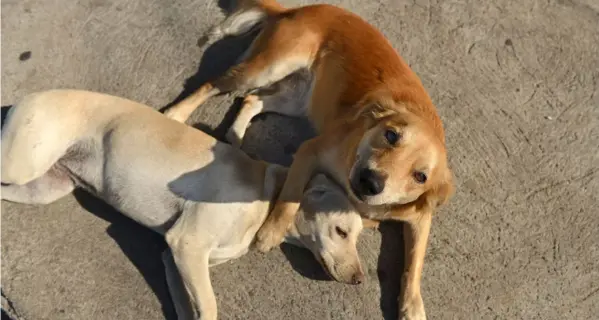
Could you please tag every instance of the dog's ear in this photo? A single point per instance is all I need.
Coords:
(436, 196)
(378, 111)
(442, 191)
(375, 106)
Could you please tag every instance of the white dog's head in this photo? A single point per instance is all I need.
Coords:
(328, 225)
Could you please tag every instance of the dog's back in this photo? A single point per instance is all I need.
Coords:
(126, 153)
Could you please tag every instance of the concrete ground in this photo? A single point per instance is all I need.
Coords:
(515, 82)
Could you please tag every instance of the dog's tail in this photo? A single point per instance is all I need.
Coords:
(35, 135)
(246, 16)
(269, 7)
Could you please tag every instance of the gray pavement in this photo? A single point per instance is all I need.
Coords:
(516, 84)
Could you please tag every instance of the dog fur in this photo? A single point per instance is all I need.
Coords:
(206, 197)
(379, 133)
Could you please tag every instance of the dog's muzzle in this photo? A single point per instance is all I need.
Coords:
(367, 183)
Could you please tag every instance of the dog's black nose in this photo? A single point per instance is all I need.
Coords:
(371, 182)
(357, 278)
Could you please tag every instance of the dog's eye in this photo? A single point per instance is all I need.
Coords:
(420, 177)
(341, 232)
(392, 136)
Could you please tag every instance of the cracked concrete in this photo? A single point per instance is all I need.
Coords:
(516, 86)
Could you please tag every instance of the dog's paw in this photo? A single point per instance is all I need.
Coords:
(172, 113)
(268, 237)
(233, 138)
(412, 309)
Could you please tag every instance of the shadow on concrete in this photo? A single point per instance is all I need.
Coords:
(221, 130)
(304, 263)
(5, 316)
(227, 6)
(5, 110)
(390, 267)
(142, 246)
(217, 59)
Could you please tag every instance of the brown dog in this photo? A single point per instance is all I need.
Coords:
(379, 133)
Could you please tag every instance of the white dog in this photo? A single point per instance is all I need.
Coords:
(207, 198)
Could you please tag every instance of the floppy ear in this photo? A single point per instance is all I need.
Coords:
(375, 106)
(438, 195)
(441, 193)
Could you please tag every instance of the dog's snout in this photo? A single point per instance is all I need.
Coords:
(371, 182)
(357, 278)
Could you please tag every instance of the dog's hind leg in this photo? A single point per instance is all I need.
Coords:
(48, 188)
(272, 57)
(177, 288)
(37, 133)
(289, 96)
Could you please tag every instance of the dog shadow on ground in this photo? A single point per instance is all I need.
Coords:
(389, 266)
(304, 263)
(216, 59)
(142, 246)
(5, 110)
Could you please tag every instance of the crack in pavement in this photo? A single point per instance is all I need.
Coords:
(9, 311)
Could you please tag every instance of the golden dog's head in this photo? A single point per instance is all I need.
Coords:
(401, 156)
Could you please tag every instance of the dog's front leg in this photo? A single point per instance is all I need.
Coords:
(183, 109)
(416, 231)
(191, 252)
(176, 288)
(370, 224)
(304, 165)
(193, 265)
